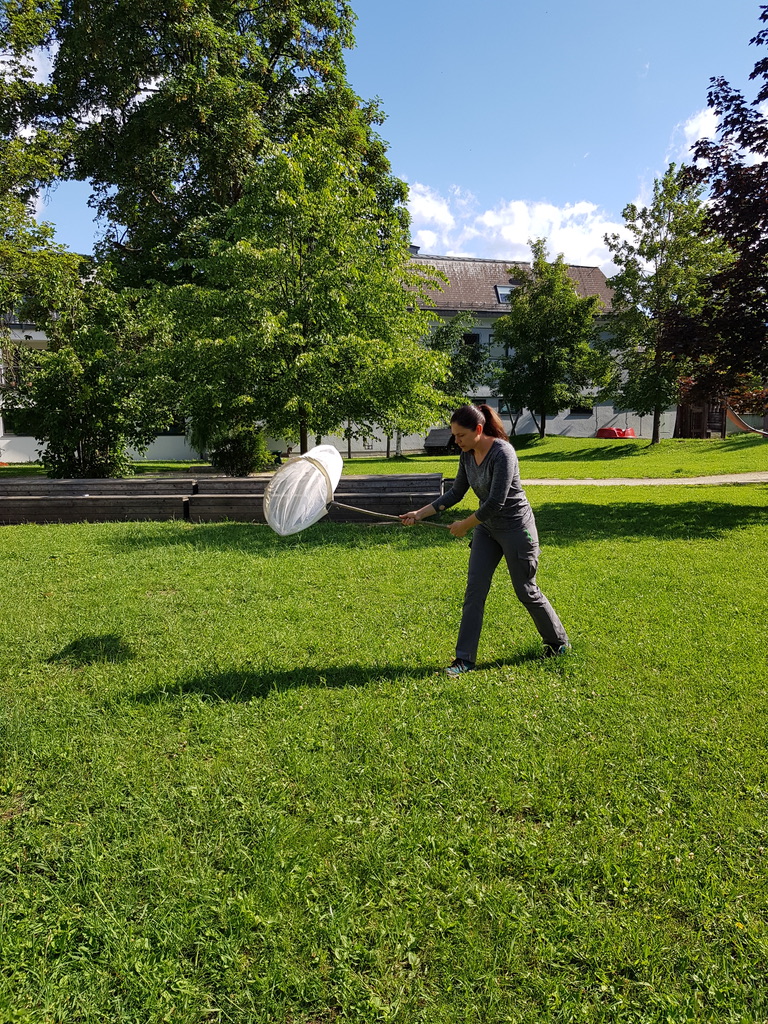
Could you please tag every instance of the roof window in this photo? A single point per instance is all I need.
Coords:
(503, 291)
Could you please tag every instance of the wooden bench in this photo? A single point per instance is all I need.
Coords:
(241, 499)
(202, 500)
(233, 484)
(40, 486)
(75, 508)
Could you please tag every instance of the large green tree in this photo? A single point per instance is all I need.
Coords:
(166, 107)
(303, 315)
(664, 269)
(548, 333)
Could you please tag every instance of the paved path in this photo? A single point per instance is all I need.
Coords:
(729, 478)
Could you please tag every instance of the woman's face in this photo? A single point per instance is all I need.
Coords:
(465, 437)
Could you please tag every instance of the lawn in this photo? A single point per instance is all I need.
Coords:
(583, 458)
(232, 787)
(552, 458)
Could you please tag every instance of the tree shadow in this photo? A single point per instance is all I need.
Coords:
(559, 522)
(562, 523)
(87, 650)
(613, 454)
(629, 449)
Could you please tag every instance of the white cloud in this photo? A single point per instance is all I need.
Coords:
(455, 225)
(701, 125)
(429, 208)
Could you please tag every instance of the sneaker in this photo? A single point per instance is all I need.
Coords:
(458, 666)
(553, 651)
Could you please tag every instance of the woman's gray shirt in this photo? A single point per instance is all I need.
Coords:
(496, 482)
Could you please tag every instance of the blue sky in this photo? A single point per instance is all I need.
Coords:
(513, 121)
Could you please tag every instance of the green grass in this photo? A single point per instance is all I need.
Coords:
(554, 457)
(582, 458)
(233, 789)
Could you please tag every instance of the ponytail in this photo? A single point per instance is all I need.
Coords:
(472, 416)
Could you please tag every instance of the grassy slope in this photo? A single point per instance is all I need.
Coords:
(232, 788)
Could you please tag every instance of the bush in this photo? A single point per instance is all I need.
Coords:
(241, 451)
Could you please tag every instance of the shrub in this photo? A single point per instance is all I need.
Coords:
(243, 450)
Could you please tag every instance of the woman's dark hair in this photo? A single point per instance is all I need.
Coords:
(471, 416)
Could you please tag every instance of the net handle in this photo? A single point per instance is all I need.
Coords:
(381, 515)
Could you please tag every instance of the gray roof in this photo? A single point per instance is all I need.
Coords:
(472, 283)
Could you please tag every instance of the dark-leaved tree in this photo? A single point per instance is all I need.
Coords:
(728, 340)
(666, 260)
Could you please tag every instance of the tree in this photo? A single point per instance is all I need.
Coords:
(101, 386)
(469, 365)
(664, 270)
(306, 317)
(548, 332)
(166, 107)
(728, 339)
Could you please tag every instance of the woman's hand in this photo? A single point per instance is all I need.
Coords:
(409, 518)
(460, 528)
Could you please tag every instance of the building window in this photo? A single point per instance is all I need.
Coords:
(471, 339)
(503, 291)
(21, 422)
(506, 410)
(177, 429)
(580, 410)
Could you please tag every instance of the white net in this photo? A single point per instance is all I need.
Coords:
(299, 492)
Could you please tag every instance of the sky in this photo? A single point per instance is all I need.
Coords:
(512, 121)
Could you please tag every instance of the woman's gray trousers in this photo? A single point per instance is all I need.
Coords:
(520, 548)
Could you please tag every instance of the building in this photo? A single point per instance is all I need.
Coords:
(482, 287)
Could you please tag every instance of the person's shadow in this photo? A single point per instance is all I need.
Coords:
(242, 684)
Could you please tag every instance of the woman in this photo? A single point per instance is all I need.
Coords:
(503, 525)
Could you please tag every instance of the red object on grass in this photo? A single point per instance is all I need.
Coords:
(615, 432)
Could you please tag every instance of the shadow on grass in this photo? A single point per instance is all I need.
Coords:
(571, 522)
(87, 650)
(559, 523)
(615, 451)
(244, 684)
(613, 454)
(259, 539)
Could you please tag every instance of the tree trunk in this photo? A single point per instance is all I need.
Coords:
(543, 423)
(389, 444)
(398, 445)
(303, 437)
(656, 431)
(658, 361)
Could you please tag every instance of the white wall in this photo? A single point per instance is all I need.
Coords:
(18, 449)
(163, 449)
(569, 424)
(167, 448)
